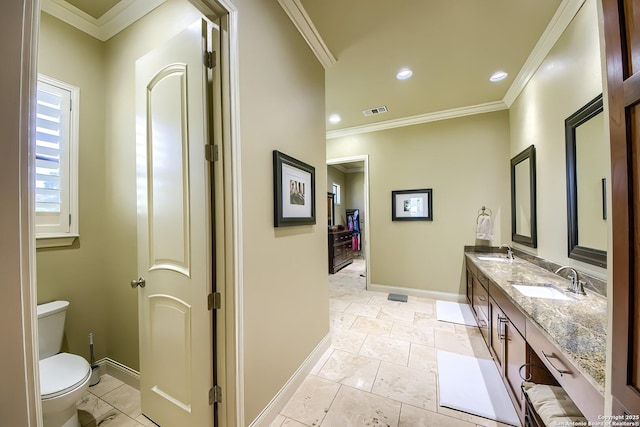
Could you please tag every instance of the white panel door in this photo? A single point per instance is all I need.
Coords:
(174, 231)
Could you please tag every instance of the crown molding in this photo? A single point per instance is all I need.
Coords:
(303, 23)
(558, 24)
(423, 118)
(116, 19)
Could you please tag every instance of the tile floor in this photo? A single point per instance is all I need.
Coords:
(381, 369)
(111, 403)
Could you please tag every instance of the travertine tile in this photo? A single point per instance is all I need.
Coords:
(126, 399)
(357, 408)
(107, 383)
(341, 320)
(424, 358)
(145, 421)
(408, 332)
(386, 349)
(278, 421)
(311, 401)
(91, 408)
(347, 340)
(288, 422)
(461, 344)
(114, 418)
(410, 416)
(337, 305)
(365, 310)
(429, 322)
(350, 369)
(413, 386)
(372, 326)
(396, 314)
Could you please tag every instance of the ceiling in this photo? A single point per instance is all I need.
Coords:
(452, 47)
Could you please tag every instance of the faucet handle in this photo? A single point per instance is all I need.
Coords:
(580, 287)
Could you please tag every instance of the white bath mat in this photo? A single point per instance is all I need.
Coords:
(455, 312)
(474, 386)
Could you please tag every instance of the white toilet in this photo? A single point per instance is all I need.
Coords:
(64, 377)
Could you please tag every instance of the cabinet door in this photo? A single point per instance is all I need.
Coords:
(515, 356)
(497, 333)
(469, 286)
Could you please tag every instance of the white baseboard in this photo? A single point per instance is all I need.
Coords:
(271, 411)
(119, 371)
(422, 293)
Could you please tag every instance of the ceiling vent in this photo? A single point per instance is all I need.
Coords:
(374, 111)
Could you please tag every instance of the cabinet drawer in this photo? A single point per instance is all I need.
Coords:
(483, 280)
(582, 392)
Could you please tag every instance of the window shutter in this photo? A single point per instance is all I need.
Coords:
(56, 162)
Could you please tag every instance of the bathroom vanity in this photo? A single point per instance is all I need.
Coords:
(535, 329)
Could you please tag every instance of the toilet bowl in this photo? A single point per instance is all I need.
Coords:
(64, 377)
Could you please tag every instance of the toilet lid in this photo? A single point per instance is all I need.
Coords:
(61, 373)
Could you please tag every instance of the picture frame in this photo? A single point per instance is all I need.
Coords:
(294, 191)
(412, 205)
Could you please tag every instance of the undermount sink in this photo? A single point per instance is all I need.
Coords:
(546, 291)
(493, 258)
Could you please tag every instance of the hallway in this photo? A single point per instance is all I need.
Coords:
(381, 368)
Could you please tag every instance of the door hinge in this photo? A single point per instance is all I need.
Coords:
(215, 301)
(215, 395)
(210, 59)
(211, 153)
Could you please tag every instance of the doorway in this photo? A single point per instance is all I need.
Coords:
(351, 203)
(116, 294)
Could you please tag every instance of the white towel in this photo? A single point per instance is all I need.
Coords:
(485, 228)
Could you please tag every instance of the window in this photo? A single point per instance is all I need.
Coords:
(336, 191)
(56, 168)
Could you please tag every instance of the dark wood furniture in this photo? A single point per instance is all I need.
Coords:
(340, 253)
(622, 51)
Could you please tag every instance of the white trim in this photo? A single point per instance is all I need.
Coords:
(367, 234)
(54, 242)
(273, 408)
(235, 252)
(422, 118)
(116, 19)
(558, 24)
(305, 26)
(422, 293)
(119, 371)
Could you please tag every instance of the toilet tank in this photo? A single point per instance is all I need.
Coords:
(51, 327)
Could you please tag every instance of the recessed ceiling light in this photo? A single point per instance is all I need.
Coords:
(498, 75)
(334, 118)
(404, 74)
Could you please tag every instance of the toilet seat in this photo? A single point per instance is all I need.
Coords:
(62, 373)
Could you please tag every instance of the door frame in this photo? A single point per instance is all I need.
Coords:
(228, 327)
(367, 236)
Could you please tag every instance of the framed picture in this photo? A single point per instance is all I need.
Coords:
(294, 191)
(412, 205)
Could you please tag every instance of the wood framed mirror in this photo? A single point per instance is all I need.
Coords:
(587, 169)
(523, 198)
(331, 209)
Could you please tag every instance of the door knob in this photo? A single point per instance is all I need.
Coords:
(140, 282)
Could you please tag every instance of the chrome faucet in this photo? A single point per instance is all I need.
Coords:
(509, 251)
(575, 284)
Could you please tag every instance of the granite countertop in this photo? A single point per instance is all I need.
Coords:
(578, 326)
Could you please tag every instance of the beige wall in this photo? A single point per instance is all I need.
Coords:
(79, 273)
(281, 310)
(338, 177)
(569, 77)
(285, 291)
(466, 163)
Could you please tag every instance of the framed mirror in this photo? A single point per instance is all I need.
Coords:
(523, 198)
(587, 169)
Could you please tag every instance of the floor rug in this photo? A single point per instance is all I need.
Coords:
(455, 312)
(474, 386)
